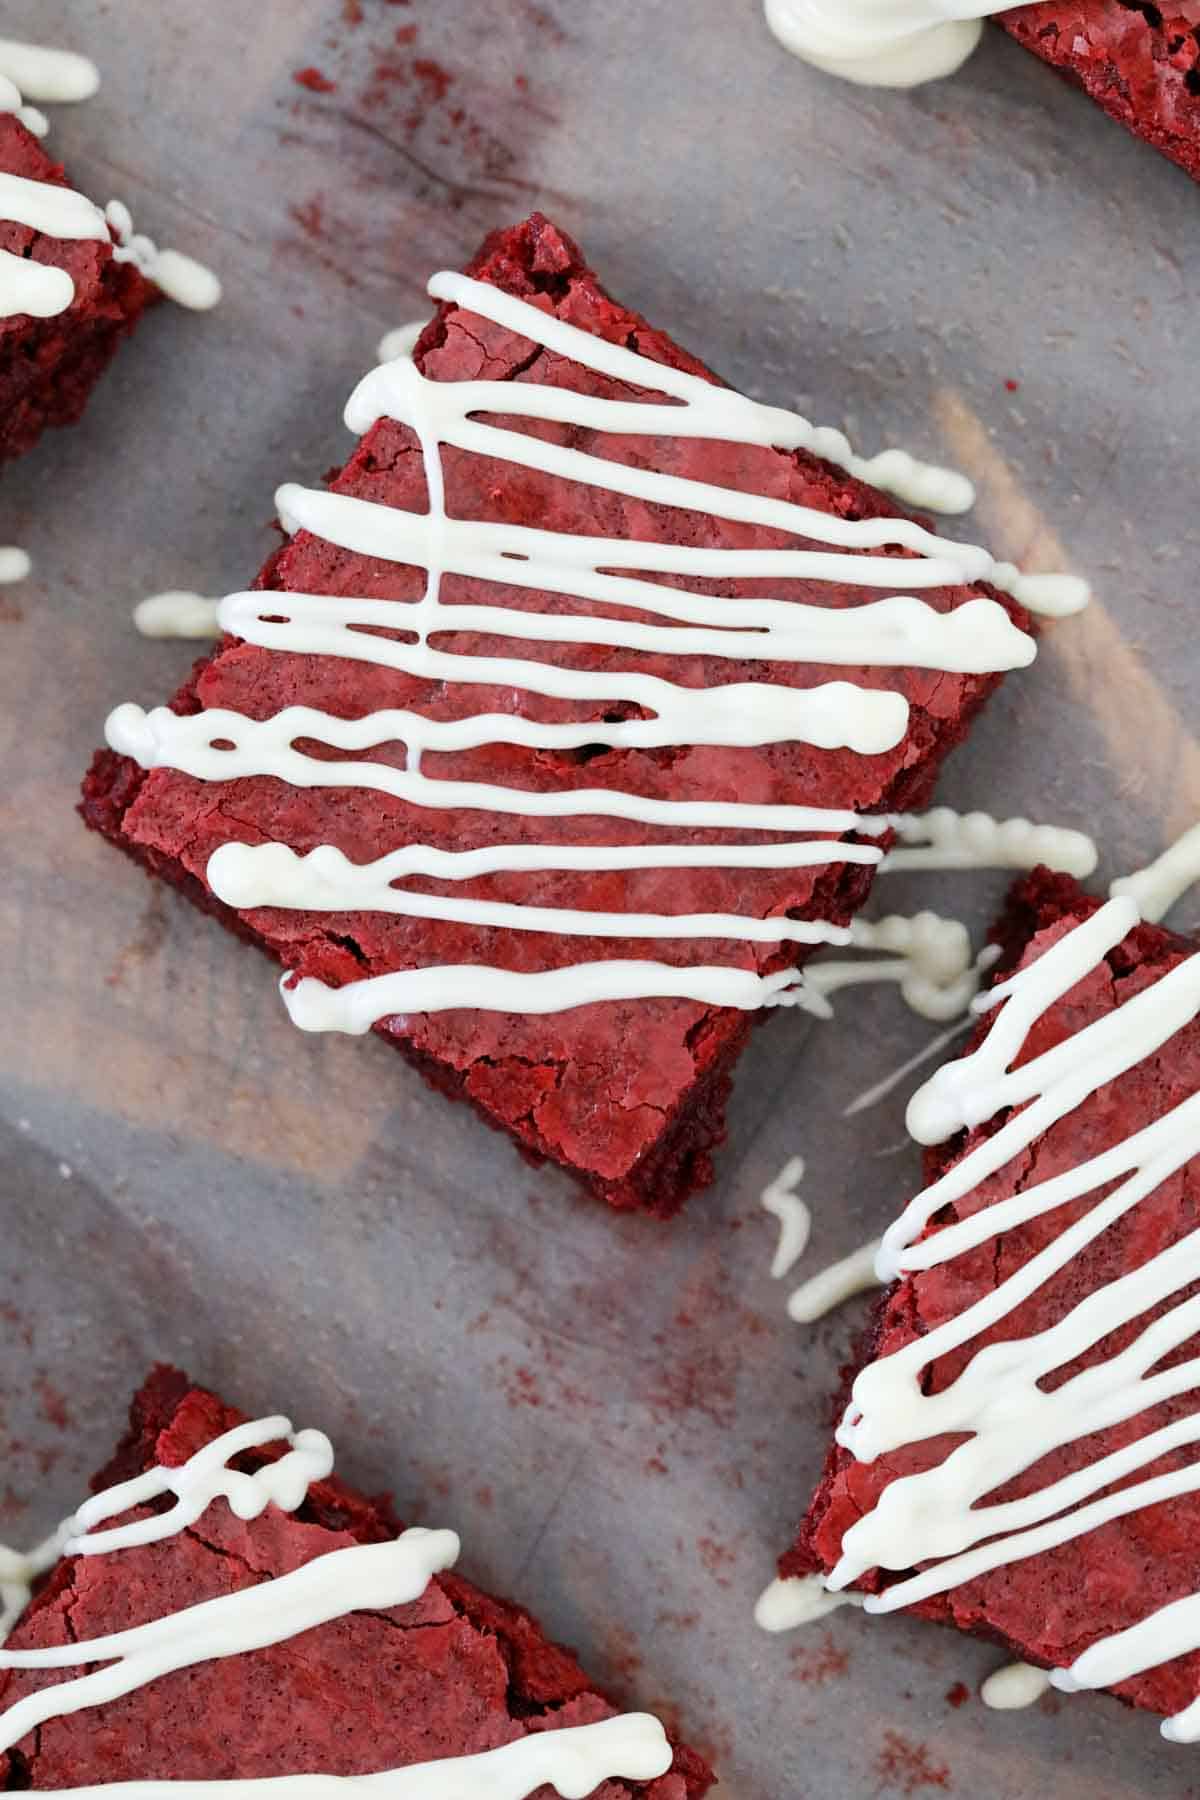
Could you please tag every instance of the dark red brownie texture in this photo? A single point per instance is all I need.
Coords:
(48, 367)
(630, 1097)
(1049, 1608)
(1141, 63)
(455, 1673)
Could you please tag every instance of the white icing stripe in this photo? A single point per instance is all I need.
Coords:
(58, 211)
(195, 1484)
(26, 285)
(882, 43)
(477, 986)
(46, 74)
(795, 1220)
(325, 880)
(734, 417)
(244, 876)
(897, 630)
(1003, 1409)
(902, 631)
(163, 739)
(836, 715)
(498, 551)
(574, 1761)
(204, 1478)
(1156, 888)
(437, 412)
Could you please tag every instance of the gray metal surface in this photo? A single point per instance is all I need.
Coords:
(617, 1417)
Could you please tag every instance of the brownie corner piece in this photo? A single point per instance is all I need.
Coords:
(52, 355)
(373, 1654)
(1016, 1449)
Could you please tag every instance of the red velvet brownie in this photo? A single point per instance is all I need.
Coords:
(1141, 63)
(49, 365)
(453, 1673)
(1102, 1550)
(628, 1094)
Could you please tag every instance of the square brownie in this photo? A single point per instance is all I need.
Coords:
(628, 1091)
(66, 299)
(1138, 61)
(372, 1685)
(1018, 1447)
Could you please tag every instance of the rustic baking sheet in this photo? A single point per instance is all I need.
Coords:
(617, 1417)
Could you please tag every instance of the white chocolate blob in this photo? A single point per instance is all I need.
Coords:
(882, 43)
(15, 565)
(47, 74)
(795, 1219)
(1015, 1686)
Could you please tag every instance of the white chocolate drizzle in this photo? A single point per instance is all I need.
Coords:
(793, 1600)
(176, 613)
(795, 1219)
(181, 278)
(882, 43)
(932, 962)
(401, 341)
(892, 631)
(19, 1570)
(200, 1481)
(359, 1577)
(574, 1761)
(938, 1522)
(822, 1293)
(1156, 888)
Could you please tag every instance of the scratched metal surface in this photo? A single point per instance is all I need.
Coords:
(618, 1418)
